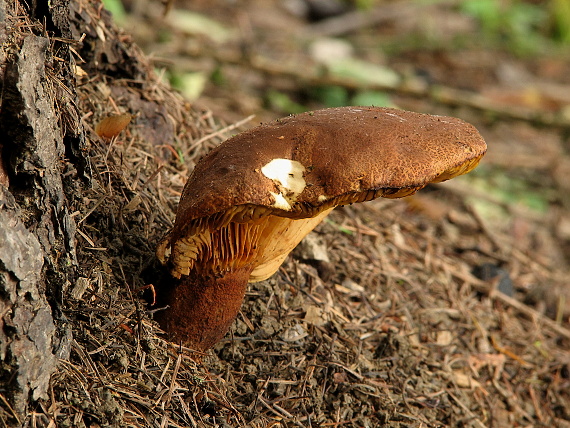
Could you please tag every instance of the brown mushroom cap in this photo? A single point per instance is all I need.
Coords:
(253, 198)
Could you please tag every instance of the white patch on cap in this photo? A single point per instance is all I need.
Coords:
(288, 176)
(281, 202)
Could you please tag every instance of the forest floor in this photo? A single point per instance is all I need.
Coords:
(449, 308)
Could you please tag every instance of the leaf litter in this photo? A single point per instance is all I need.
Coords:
(393, 330)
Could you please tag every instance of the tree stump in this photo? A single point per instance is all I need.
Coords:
(44, 168)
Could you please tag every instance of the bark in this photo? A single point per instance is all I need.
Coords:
(45, 173)
(38, 130)
(27, 336)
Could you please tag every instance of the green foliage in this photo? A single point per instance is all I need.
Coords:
(197, 23)
(190, 84)
(363, 72)
(282, 102)
(337, 96)
(164, 35)
(560, 13)
(510, 189)
(522, 26)
(505, 189)
(330, 96)
(327, 96)
(117, 10)
(372, 98)
(515, 23)
(217, 76)
(365, 4)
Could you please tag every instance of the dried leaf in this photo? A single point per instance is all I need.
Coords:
(111, 126)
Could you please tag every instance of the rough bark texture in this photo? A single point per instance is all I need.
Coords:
(26, 339)
(37, 233)
(45, 172)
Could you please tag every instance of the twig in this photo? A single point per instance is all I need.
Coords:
(483, 287)
(99, 202)
(7, 404)
(171, 388)
(217, 134)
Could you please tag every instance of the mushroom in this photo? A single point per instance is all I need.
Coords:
(251, 200)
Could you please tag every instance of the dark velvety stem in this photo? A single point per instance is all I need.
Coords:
(202, 309)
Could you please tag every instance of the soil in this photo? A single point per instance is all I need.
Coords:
(449, 308)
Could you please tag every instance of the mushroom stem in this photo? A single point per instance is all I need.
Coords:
(202, 308)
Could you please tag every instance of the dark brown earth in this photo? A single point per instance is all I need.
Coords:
(451, 308)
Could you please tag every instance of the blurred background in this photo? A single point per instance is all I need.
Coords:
(502, 65)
